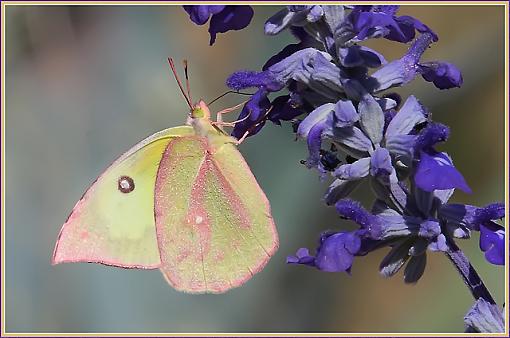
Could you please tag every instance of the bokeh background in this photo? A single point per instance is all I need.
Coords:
(85, 83)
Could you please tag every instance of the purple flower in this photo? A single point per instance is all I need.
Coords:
(435, 170)
(444, 75)
(359, 132)
(380, 21)
(335, 252)
(307, 66)
(492, 242)
(224, 18)
(253, 116)
(402, 71)
(492, 235)
(463, 218)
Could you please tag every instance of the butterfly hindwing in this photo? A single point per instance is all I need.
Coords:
(213, 222)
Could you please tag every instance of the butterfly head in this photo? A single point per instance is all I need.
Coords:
(200, 111)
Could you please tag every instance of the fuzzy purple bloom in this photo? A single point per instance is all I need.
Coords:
(353, 211)
(249, 79)
(432, 134)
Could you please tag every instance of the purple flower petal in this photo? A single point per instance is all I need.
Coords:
(378, 24)
(360, 56)
(492, 242)
(254, 111)
(234, 17)
(387, 104)
(336, 252)
(444, 75)
(314, 142)
(353, 171)
(199, 14)
(371, 118)
(345, 114)
(283, 109)
(409, 115)
(326, 77)
(380, 164)
(402, 148)
(319, 114)
(354, 139)
(436, 172)
(302, 257)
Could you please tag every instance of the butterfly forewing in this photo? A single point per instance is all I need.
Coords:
(113, 223)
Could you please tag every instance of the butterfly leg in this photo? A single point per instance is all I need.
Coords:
(230, 124)
(219, 119)
(262, 120)
(238, 142)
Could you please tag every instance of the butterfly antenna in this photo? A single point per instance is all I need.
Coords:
(185, 63)
(172, 65)
(226, 93)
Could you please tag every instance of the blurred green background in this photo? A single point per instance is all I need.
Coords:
(85, 83)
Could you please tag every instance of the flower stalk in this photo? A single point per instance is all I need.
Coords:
(468, 273)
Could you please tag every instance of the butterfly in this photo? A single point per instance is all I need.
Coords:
(184, 201)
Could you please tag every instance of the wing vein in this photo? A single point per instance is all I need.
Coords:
(194, 226)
